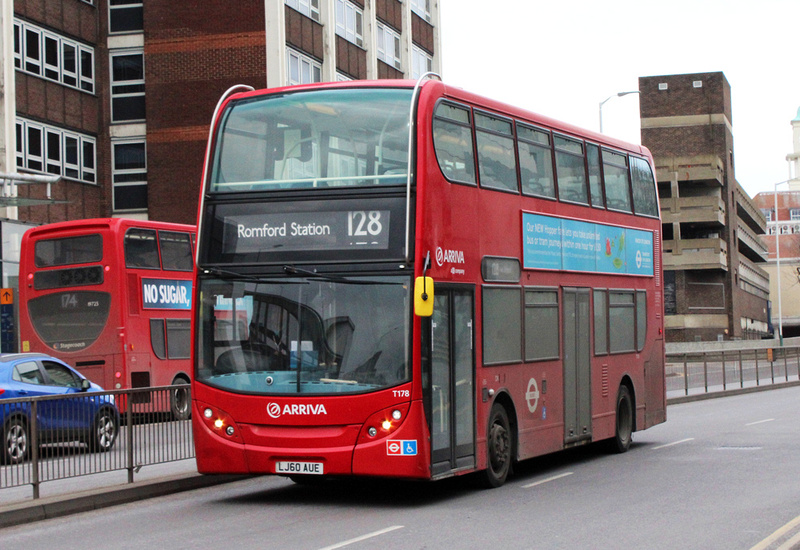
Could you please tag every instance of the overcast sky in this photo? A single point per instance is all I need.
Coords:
(562, 58)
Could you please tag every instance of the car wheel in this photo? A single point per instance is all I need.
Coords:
(105, 430)
(16, 440)
(181, 400)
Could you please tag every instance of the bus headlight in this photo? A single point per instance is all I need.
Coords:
(219, 422)
(383, 423)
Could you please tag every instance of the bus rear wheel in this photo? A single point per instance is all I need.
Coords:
(180, 401)
(623, 432)
(499, 445)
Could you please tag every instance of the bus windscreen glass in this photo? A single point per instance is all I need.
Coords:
(332, 138)
(70, 321)
(69, 251)
(307, 335)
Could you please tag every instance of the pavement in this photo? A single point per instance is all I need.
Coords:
(60, 498)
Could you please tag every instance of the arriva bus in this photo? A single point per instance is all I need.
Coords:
(113, 297)
(408, 280)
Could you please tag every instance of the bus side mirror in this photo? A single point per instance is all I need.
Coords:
(423, 296)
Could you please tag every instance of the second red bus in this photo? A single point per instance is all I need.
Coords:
(113, 297)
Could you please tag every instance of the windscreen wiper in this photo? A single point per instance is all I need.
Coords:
(239, 276)
(294, 270)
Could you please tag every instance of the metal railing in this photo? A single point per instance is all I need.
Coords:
(141, 431)
(702, 372)
(58, 437)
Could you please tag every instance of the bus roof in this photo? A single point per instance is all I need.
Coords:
(440, 88)
(97, 224)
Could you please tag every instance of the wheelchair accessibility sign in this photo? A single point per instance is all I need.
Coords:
(401, 447)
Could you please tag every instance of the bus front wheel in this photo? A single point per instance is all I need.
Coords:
(499, 445)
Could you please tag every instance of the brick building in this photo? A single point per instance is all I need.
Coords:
(116, 97)
(715, 287)
(782, 210)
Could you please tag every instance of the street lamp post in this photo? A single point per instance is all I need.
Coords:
(618, 94)
(778, 263)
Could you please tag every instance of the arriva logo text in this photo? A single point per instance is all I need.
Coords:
(274, 410)
(449, 256)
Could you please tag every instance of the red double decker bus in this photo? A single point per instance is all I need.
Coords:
(429, 283)
(113, 297)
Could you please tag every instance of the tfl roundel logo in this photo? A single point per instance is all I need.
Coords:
(274, 410)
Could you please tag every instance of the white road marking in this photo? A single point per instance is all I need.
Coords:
(673, 443)
(778, 534)
(547, 480)
(364, 537)
(760, 422)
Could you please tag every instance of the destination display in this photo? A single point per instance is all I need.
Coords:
(307, 231)
(369, 228)
(572, 245)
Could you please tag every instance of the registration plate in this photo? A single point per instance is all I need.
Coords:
(312, 468)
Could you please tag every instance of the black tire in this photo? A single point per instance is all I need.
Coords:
(180, 400)
(16, 440)
(623, 432)
(105, 430)
(499, 443)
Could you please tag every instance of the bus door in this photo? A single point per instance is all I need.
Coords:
(452, 388)
(577, 366)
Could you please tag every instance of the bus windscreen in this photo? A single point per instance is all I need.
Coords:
(305, 335)
(333, 138)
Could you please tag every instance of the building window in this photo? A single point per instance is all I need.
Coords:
(125, 15)
(422, 8)
(54, 57)
(341, 77)
(794, 214)
(309, 8)
(388, 43)
(350, 22)
(129, 175)
(52, 150)
(767, 213)
(301, 68)
(421, 62)
(127, 86)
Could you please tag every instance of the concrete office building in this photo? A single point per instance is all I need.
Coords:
(115, 97)
(715, 285)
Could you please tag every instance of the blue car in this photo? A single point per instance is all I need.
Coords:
(87, 418)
